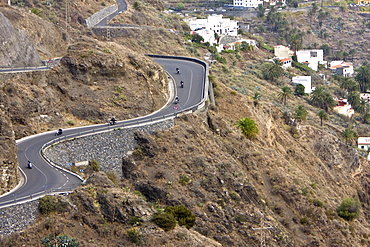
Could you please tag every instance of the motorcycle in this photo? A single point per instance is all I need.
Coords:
(29, 165)
(59, 132)
(181, 84)
(112, 121)
(177, 71)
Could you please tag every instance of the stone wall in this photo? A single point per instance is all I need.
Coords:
(98, 16)
(107, 148)
(17, 217)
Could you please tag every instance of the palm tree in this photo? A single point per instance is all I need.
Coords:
(248, 127)
(348, 84)
(256, 97)
(322, 99)
(286, 93)
(295, 43)
(322, 115)
(354, 98)
(272, 71)
(363, 108)
(349, 135)
(363, 77)
(300, 113)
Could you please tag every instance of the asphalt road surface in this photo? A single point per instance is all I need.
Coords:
(45, 179)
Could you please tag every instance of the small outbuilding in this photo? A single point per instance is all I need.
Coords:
(364, 143)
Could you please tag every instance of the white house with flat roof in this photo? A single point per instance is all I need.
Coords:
(255, 3)
(247, 3)
(342, 68)
(364, 143)
(303, 80)
(311, 57)
(214, 24)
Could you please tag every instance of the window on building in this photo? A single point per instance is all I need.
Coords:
(313, 53)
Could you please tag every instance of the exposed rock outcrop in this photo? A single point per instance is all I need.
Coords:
(16, 50)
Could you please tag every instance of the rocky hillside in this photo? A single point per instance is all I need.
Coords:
(280, 189)
(16, 49)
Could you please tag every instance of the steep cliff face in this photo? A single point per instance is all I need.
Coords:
(47, 38)
(8, 156)
(16, 49)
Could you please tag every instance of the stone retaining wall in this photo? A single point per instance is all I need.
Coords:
(107, 148)
(99, 16)
(17, 217)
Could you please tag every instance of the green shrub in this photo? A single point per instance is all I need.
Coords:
(137, 6)
(184, 179)
(118, 89)
(94, 165)
(240, 219)
(318, 203)
(49, 204)
(349, 209)
(36, 11)
(133, 235)
(134, 220)
(303, 221)
(59, 241)
(164, 220)
(71, 123)
(182, 214)
(235, 196)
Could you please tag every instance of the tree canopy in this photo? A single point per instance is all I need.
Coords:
(349, 209)
(272, 71)
(349, 135)
(284, 94)
(322, 99)
(248, 127)
(363, 77)
(322, 115)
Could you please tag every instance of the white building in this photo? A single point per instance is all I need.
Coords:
(303, 80)
(281, 52)
(343, 107)
(287, 62)
(213, 24)
(311, 57)
(342, 68)
(247, 3)
(255, 3)
(363, 143)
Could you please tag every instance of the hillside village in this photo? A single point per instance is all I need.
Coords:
(216, 29)
(299, 180)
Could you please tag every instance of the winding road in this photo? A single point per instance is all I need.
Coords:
(45, 178)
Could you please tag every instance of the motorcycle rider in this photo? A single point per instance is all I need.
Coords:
(29, 165)
(59, 132)
(112, 121)
(181, 84)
